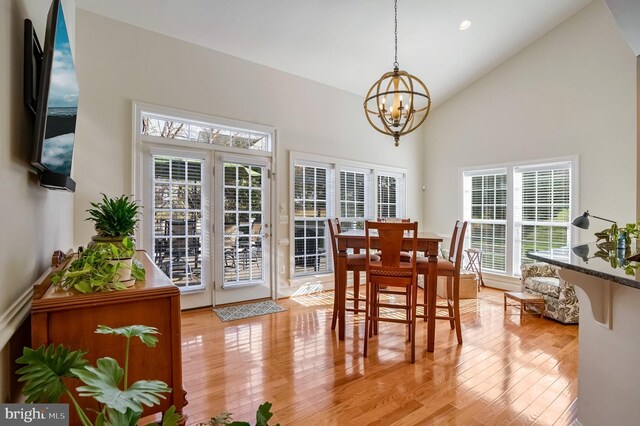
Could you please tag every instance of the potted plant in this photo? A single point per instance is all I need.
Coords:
(114, 218)
(121, 403)
(102, 267)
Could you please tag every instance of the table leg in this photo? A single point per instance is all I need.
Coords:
(341, 292)
(432, 284)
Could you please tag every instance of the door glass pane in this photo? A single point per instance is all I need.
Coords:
(177, 215)
(243, 224)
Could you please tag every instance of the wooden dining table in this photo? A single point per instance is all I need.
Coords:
(355, 239)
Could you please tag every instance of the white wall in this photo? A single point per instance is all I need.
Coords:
(118, 63)
(571, 92)
(34, 221)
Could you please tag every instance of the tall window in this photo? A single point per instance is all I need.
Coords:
(486, 211)
(311, 197)
(325, 187)
(177, 217)
(518, 209)
(391, 195)
(354, 198)
(543, 209)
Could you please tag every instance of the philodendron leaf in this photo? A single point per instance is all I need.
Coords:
(144, 332)
(116, 418)
(45, 369)
(170, 417)
(102, 384)
(264, 414)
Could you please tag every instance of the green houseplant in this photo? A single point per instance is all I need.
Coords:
(114, 218)
(121, 403)
(102, 267)
(225, 418)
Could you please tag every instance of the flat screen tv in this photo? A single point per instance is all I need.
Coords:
(56, 106)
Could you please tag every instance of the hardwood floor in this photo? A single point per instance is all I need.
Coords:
(504, 373)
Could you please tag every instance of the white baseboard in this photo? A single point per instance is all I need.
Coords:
(14, 316)
(501, 282)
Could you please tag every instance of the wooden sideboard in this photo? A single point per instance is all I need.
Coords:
(70, 318)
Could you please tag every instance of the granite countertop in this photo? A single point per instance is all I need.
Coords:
(610, 265)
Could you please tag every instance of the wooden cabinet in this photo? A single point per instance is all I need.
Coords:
(70, 318)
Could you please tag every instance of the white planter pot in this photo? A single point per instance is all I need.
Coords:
(124, 271)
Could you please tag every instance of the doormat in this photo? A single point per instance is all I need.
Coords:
(231, 313)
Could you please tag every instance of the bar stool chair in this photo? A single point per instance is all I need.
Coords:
(392, 274)
(404, 255)
(355, 263)
(449, 268)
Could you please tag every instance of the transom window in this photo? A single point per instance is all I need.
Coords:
(201, 132)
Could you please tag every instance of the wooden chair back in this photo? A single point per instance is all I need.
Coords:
(390, 240)
(334, 229)
(457, 246)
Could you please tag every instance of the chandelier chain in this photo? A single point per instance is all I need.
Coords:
(395, 9)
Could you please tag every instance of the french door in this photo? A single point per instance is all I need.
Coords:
(184, 201)
(242, 228)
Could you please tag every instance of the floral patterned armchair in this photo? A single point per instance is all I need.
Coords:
(542, 279)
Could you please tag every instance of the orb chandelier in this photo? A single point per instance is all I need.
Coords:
(398, 103)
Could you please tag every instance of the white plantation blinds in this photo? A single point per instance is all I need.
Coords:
(325, 187)
(177, 216)
(542, 212)
(355, 198)
(486, 211)
(517, 209)
(312, 199)
(391, 195)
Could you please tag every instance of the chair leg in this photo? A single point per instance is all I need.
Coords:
(414, 297)
(334, 318)
(426, 295)
(450, 299)
(373, 293)
(356, 289)
(367, 318)
(456, 310)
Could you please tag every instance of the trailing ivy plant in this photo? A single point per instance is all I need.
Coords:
(121, 402)
(99, 268)
(115, 217)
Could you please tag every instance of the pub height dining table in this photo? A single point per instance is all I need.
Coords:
(355, 239)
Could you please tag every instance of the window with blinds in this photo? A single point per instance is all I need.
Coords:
(391, 195)
(486, 211)
(325, 187)
(312, 197)
(542, 214)
(177, 215)
(517, 209)
(354, 198)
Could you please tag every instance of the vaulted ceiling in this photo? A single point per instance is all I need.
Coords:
(349, 44)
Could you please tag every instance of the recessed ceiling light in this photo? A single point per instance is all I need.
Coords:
(464, 25)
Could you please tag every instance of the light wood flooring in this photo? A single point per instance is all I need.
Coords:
(504, 373)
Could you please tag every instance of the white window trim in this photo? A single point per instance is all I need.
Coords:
(141, 142)
(338, 165)
(510, 169)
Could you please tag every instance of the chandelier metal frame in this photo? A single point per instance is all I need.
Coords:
(402, 117)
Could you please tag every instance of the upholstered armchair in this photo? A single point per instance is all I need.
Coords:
(542, 279)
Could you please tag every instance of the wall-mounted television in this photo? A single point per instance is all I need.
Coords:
(56, 103)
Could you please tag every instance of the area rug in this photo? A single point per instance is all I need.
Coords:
(236, 312)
